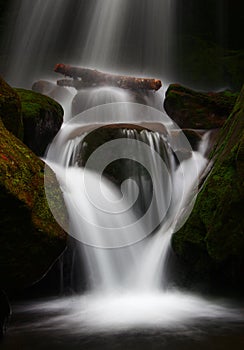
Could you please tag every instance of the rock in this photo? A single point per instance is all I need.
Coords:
(10, 109)
(30, 238)
(43, 87)
(58, 93)
(202, 140)
(122, 168)
(198, 110)
(42, 119)
(210, 245)
(194, 137)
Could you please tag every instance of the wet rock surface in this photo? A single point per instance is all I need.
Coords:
(30, 239)
(197, 110)
(10, 109)
(210, 245)
(42, 119)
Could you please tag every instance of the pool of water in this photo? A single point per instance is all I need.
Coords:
(89, 323)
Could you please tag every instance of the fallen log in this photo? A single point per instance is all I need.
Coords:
(85, 78)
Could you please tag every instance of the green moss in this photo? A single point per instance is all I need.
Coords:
(30, 238)
(10, 109)
(42, 119)
(216, 223)
(34, 103)
(198, 110)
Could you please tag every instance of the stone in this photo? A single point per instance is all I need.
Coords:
(10, 109)
(30, 238)
(42, 119)
(210, 246)
(198, 110)
(48, 88)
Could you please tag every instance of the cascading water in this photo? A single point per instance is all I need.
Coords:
(125, 260)
(125, 240)
(125, 256)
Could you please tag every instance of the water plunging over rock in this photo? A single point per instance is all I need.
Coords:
(126, 155)
(124, 226)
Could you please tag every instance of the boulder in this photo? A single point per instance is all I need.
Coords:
(210, 246)
(122, 168)
(198, 110)
(48, 88)
(42, 119)
(10, 109)
(43, 86)
(30, 238)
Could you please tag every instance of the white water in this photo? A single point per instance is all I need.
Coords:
(127, 286)
(94, 204)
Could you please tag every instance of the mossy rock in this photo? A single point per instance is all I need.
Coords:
(10, 109)
(30, 239)
(211, 243)
(42, 119)
(197, 110)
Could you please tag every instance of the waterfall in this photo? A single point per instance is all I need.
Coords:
(124, 223)
(125, 229)
(111, 35)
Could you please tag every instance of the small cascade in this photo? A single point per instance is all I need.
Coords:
(88, 98)
(125, 259)
(126, 196)
(125, 224)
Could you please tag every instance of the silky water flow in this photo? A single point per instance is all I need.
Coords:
(124, 231)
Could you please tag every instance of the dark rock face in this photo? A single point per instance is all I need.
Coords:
(122, 168)
(30, 238)
(197, 110)
(210, 245)
(118, 170)
(194, 137)
(42, 119)
(10, 109)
